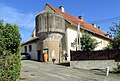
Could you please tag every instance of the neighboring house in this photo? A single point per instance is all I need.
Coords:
(57, 32)
(30, 47)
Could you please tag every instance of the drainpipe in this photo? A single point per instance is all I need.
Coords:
(78, 38)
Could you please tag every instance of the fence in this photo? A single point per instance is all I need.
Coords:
(95, 55)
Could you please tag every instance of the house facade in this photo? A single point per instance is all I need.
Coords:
(57, 31)
(30, 47)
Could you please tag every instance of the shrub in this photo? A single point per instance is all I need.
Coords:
(88, 43)
(116, 70)
(10, 59)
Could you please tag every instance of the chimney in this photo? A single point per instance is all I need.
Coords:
(98, 27)
(80, 17)
(94, 24)
(62, 8)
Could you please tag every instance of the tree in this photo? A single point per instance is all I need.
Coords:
(115, 29)
(115, 42)
(10, 59)
(88, 43)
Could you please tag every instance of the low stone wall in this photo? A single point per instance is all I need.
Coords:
(94, 64)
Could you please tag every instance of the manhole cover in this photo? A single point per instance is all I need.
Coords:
(32, 75)
(26, 71)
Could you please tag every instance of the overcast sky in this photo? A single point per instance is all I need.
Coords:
(22, 12)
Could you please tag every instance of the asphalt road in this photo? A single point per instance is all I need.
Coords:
(37, 71)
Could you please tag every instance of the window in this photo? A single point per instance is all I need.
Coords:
(101, 42)
(78, 41)
(25, 49)
(30, 48)
(72, 45)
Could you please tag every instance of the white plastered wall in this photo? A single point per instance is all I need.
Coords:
(72, 34)
(33, 52)
(102, 43)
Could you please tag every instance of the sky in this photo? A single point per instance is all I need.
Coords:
(23, 12)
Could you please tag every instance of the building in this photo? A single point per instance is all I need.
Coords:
(57, 31)
(30, 47)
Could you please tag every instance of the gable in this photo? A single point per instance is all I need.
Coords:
(47, 8)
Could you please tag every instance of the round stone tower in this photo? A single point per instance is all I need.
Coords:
(50, 28)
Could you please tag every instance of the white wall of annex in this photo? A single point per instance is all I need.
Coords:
(32, 53)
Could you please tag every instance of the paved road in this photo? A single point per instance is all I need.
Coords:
(36, 71)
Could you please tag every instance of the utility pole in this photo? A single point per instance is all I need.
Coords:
(78, 38)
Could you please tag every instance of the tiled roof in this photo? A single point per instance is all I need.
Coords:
(30, 41)
(87, 26)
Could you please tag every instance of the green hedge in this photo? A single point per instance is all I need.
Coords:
(10, 59)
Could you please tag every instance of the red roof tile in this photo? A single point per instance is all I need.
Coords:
(76, 20)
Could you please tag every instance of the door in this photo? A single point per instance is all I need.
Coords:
(38, 54)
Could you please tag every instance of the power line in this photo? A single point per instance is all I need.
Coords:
(21, 27)
(26, 24)
(106, 20)
(25, 30)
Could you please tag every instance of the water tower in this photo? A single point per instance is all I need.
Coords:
(50, 28)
